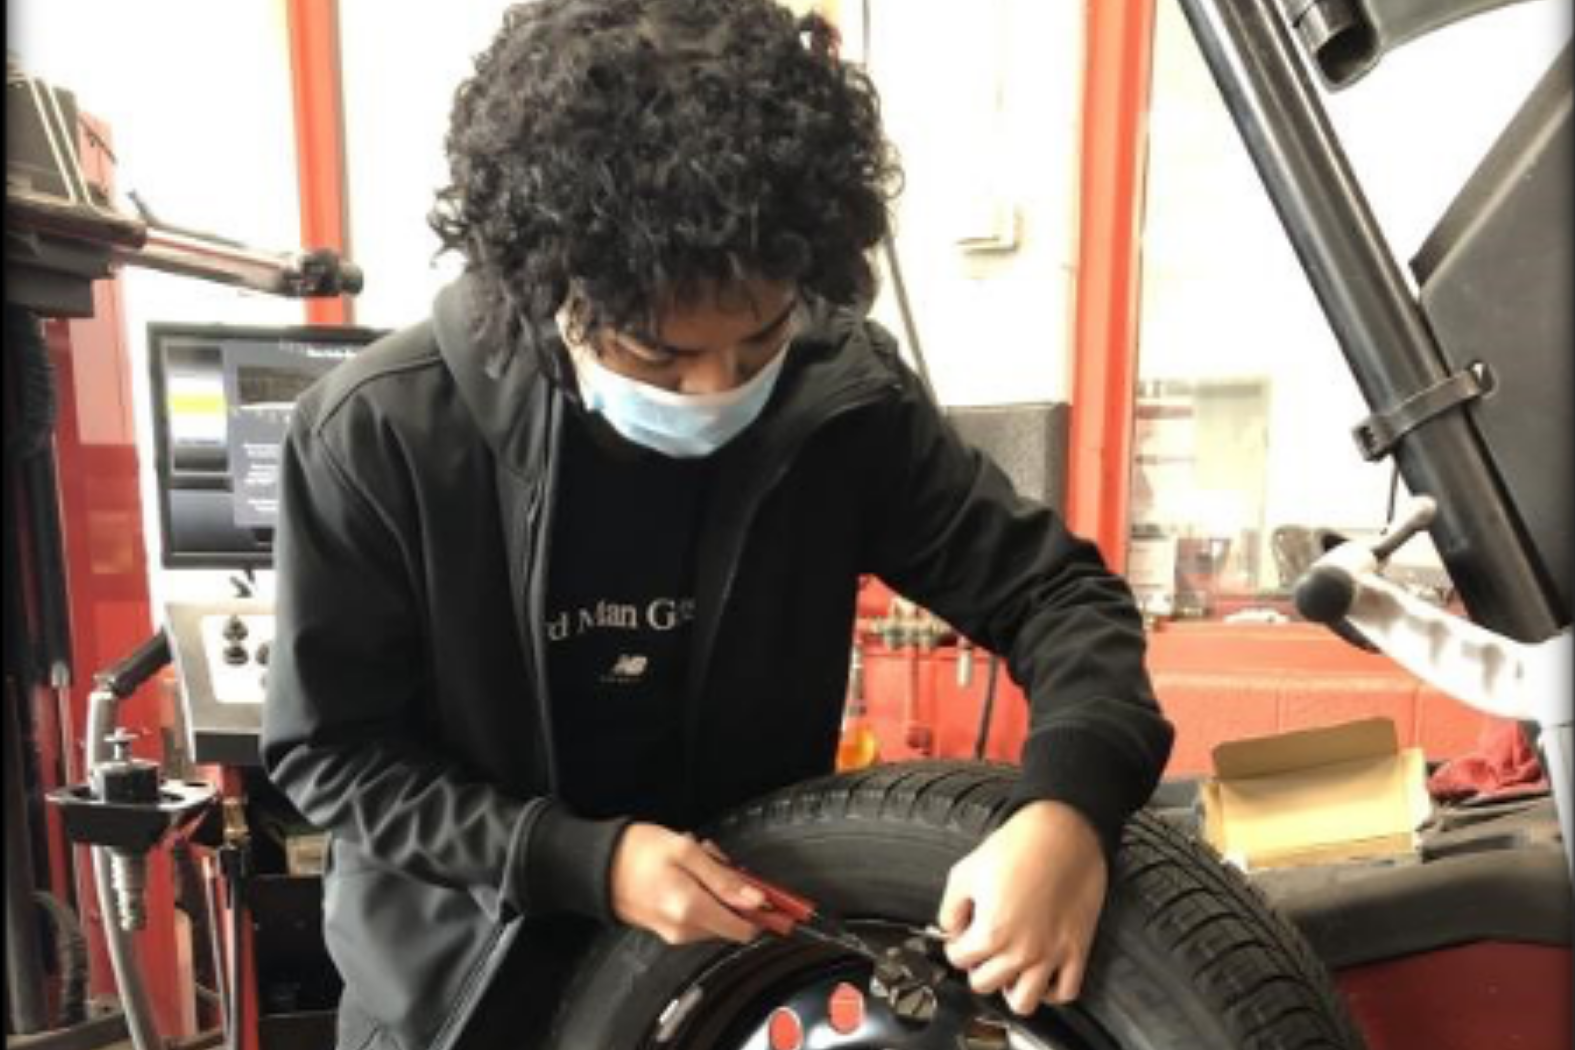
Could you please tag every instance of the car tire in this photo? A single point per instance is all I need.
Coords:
(1188, 955)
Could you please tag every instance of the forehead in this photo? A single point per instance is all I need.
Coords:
(723, 314)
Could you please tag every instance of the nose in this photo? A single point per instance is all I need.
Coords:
(714, 372)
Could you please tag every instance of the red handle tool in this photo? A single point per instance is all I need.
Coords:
(786, 914)
(783, 911)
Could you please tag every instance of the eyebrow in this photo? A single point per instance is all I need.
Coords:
(756, 336)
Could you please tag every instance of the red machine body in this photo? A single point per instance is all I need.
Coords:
(1489, 994)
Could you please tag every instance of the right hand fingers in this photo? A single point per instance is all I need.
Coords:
(721, 905)
(719, 876)
(670, 885)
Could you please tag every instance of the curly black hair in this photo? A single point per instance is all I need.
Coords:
(637, 152)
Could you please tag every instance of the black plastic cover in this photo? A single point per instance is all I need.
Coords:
(1495, 278)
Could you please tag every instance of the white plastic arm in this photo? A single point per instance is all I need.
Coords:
(1485, 670)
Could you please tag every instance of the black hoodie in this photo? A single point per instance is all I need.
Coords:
(408, 713)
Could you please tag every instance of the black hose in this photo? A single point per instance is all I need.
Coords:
(42, 492)
(34, 376)
(37, 647)
(910, 330)
(20, 668)
(19, 655)
(26, 1002)
(987, 709)
(30, 453)
(71, 958)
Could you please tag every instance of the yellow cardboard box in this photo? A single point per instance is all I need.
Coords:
(1316, 796)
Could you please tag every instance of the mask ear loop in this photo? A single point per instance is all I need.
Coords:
(575, 339)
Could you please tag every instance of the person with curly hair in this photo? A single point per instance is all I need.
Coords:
(570, 568)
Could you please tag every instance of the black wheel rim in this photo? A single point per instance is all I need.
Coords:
(788, 995)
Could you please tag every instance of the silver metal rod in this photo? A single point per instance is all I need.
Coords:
(1558, 755)
(103, 708)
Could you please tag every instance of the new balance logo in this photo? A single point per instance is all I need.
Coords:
(629, 667)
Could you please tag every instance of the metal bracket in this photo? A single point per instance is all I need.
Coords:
(1347, 38)
(1320, 23)
(1378, 434)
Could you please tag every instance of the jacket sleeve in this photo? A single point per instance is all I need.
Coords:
(951, 533)
(341, 737)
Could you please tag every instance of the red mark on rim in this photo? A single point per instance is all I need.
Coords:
(785, 1031)
(846, 1009)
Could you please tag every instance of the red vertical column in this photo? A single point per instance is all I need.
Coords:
(320, 140)
(1116, 74)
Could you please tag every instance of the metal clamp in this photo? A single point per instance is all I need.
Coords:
(1378, 434)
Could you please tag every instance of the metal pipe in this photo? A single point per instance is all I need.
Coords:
(235, 1007)
(910, 328)
(24, 960)
(221, 974)
(1558, 758)
(129, 242)
(981, 738)
(1376, 319)
(103, 709)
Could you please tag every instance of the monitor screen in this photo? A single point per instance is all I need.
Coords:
(222, 398)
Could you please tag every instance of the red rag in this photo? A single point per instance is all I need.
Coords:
(1504, 765)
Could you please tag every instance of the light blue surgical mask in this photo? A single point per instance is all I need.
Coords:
(685, 426)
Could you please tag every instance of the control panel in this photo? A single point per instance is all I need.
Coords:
(221, 651)
(236, 647)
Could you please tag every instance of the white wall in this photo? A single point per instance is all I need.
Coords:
(983, 104)
(402, 60)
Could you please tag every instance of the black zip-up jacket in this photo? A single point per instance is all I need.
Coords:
(408, 712)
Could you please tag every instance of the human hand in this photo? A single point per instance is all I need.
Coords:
(1020, 911)
(679, 889)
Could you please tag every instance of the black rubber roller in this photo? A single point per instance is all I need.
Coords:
(1325, 594)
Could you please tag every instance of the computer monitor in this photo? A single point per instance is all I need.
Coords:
(222, 398)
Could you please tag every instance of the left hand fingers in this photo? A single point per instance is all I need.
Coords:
(994, 974)
(1026, 981)
(1068, 982)
(956, 910)
(1027, 992)
(973, 947)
